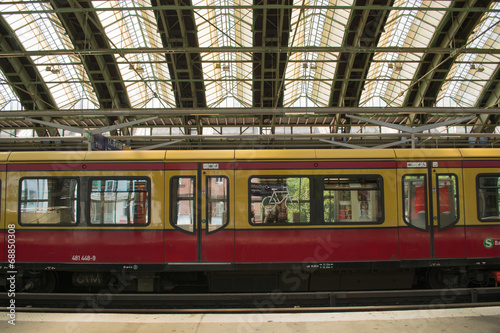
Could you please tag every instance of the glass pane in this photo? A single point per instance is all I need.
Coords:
(49, 201)
(119, 201)
(414, 201)
(183, 200)
(228, 74)
(447, 200)
(391, 73)
(280, 200)
(349, 199)
(308, 75)
(217, 202)
(489, 198)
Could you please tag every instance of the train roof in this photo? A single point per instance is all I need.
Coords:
(4, 156)
(475, 153)
(200, 155)
(47, 156)
(428, 154)
(75, 156)
(246, 155)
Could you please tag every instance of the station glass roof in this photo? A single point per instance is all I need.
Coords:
(268, 65)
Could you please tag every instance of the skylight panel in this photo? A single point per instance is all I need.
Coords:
(309, 75)
(8, 99)
(145, 75)
(391, 73)
(227, 75)
(64, 75)
(472, 71)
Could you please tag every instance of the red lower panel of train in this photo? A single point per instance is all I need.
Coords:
(251, 246)
(483, 242)
(314, 245)
(89, 246)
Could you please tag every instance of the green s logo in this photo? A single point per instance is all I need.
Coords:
(488, 243)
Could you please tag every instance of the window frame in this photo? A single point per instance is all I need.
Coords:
(382, 196)
(455, 176)
(117, 225)
(426, 200)
(311, 213)
(172, 203)
(57, 225)
(228, 201)
(478, 176)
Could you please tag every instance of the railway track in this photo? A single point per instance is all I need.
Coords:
(256, 302)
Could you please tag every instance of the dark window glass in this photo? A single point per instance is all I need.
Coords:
(488, 201)
(414, 201)
(182, 194)
(119, 201)
(48, 201)
(217, 202)
(280, 200)
(447, 200)
(352, 199)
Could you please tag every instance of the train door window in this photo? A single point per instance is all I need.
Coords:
(217, 202)
(353, 199)
(279, 199)
(488, 198)
(119, 201)
(48, 201)
(182, 209)
(447, 200)
(414, 201)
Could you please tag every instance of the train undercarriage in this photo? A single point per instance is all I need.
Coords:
(288, 280)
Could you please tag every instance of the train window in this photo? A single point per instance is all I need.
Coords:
(447, 200)
(116, 201)
(488, 198)
(414, 201)
(48, 201)
(280, 199)
(182, 210)
(352, 199)
(217, 202)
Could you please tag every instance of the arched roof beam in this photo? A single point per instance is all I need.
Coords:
(489, 99)
(364, 30)
(453, 34)
(29, 85)
(177, 29)
(271, 30)
(87, 33)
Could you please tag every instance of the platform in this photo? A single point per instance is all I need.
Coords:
(482, 320)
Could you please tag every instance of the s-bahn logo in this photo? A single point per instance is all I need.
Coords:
(489, 243)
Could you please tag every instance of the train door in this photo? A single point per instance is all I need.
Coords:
(431, 224)
(201, 214)
(217, 227)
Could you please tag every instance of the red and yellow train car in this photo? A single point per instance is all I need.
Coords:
(242, 220)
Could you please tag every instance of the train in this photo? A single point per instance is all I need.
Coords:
(249, 220)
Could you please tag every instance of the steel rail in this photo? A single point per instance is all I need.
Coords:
(257, 302)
